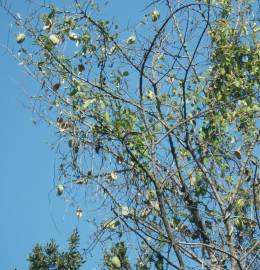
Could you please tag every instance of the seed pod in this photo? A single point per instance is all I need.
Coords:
(47, 25)
(63, 125)
(113, 49)
(237, 154)
(115, 261)
(60, 189)
(119, 159)
(79, 212)
(131, 40)
(56, 87)
(54, 39)
(155, 15)
(126, 212)
(20, 38)
(81, 67)
(111, 224)
(73, 36)
(113, 175)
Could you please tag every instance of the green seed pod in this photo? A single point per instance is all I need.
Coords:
(131, 40)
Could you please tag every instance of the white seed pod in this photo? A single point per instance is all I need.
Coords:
(232, 140)
(54, 39)
(126, 212)
(47, 25)
(112, 176)
(79, 212)
(170, 79)
(155, 206)
(155, 15)
(60, 189)
(73, 36)
(150, 95)
(20, 38)
(113, 49)
(115, 261)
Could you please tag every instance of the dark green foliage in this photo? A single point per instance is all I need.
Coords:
(49, 257)
(117, 258)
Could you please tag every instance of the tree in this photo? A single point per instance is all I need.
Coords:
(157, 125)
(49, 257)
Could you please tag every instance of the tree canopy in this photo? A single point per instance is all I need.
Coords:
(157, 126)
(51, 258)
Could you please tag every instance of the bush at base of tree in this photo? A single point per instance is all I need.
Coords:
(49, 257)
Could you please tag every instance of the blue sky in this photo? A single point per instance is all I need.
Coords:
(28, 204)
(30, 210)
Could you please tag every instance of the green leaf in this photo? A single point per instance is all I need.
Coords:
(107, 117)
(73, 92)
(159, 264)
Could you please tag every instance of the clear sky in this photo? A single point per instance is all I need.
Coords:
(30, 210)
(29, 207)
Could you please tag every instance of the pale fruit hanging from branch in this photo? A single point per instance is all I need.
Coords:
(155, 15)
(20, 38)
